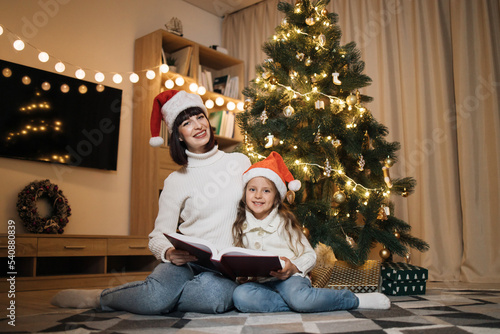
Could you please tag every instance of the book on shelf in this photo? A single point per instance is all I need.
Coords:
(220, 84)
(215, 119)
(223, 122)
(182, 60)
(232, 262)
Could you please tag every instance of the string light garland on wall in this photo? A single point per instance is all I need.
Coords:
(82, 72)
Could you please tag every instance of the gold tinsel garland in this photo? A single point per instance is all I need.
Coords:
(28, 211)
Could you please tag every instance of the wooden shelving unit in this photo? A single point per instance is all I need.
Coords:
(150, 166)
(44, 262)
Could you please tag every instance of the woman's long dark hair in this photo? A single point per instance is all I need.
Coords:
(291, 222)
(177, 147)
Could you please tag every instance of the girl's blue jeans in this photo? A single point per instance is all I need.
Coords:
(293, 294)
(187, 288)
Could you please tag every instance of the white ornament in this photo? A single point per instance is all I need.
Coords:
(270, 139)
(336, 80)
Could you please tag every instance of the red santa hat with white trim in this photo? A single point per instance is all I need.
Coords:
(273, 168)
(167, 106)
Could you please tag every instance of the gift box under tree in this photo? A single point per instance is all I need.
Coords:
(400, 279)
(360, 279)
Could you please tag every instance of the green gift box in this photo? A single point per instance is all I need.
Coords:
(400, 279)
(365, 278)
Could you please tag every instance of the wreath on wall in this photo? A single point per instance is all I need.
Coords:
(28, 211)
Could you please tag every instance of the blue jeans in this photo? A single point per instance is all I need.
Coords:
(293, 294)
(187, 288)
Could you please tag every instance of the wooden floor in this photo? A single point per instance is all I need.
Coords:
(37, 302)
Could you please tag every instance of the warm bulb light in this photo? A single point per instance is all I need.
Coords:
(134, 78)
(117, 78)
(99, 77)
(80, 74)
(18, 45)
(193, 87)
(209, 104)
(1, 30)
(169, 84)
(164, 68)
(231, 106)
(179, 81)
(150, 74)
(219, 101)
(202, 90)
(60, 67)
(240, 106)
(43, 57)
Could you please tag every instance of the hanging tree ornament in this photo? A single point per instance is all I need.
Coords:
(308, 61)
(381, 215)
(273, 80)
(288, 111)
(404, 193)
(361, 163)
(339, 197)
(317, 138)
(247, 103)
(389, 162)
(397, 234)
(336, 143)
(266, 75)
(328, 168)
(324, 12)
(263, 116)
(270, 140)
(293, 74)
(322, 40)
(385, 253)
(299, 56)
(358, 97)
(387, 177)
(319, 104)
(351, 100)
(336, 80)
(310, 21)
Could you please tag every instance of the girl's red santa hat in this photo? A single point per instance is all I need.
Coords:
(273, 168)
(167, 106)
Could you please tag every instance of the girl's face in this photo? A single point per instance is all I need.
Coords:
(195, 132)
(260, 196)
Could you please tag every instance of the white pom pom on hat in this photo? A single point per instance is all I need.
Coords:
(167, 106)
(273, 168)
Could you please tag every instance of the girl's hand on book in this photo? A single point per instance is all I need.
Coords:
(242, 280)
(179, 257)
(288, 270)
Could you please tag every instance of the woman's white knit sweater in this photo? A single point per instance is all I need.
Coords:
(202, 199)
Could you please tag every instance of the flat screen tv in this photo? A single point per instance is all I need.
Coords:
(53, 118)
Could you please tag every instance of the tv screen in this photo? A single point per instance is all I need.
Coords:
(49, 117)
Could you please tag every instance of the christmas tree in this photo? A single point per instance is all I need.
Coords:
(305, 105)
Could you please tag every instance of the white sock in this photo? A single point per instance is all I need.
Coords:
(373, 300)
(77, 298)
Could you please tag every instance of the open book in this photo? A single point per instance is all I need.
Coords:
(231, 262)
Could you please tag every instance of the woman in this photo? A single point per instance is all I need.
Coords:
(200, 199)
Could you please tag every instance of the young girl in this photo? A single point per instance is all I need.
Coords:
(264, 222)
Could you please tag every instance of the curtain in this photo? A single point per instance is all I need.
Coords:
(435, 67)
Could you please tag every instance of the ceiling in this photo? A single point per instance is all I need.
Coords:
(222, 7)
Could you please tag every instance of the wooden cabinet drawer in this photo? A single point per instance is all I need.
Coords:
(24, 246)
(71, 246)
(128, 246)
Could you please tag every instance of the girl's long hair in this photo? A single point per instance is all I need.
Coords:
(177, 147)
(291, 222)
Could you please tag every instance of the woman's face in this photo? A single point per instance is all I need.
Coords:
(195, 132)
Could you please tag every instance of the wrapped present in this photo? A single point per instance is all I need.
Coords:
(400, 278)
(360, 279)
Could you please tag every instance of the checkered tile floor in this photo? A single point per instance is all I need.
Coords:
(437, 312)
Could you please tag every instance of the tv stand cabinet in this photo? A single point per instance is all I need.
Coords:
(44, 262)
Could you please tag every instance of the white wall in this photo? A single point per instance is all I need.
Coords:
(98, 35)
